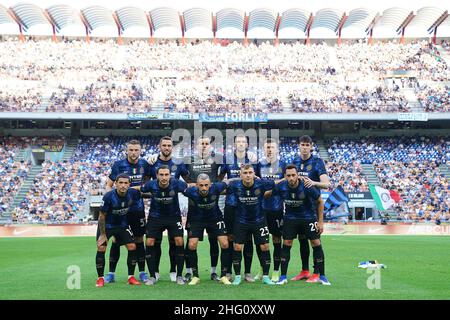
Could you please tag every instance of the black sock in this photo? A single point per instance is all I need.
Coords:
(172, 256)
(150, 257)
(265, 257)
(213, 251)
(114, 256)
(157, 254)
(237, 259)
(131, 262)
(258, 252)
(194, 261)
(276, 256)
(179, 259)
(285, 257)
(248, 256)
(187, 257)
(229, 259)
(225, 262)
(319, 259)
(304, 253)
(140, 255)
(100, 263)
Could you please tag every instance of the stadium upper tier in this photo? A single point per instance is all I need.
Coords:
(231, 23)
(104, 77)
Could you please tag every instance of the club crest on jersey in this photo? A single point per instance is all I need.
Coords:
(257, 192)
(174, 168)
(172, 193)
(309, 167)
(302, 195)
(142, 170)
(213, 197)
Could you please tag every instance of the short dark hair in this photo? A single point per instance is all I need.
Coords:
(134, 141)
(123, 176)
(247, 166)
(203, 137)
(270, 140)
(162, 167)
(290, 166)
(305, 139)
(240, 135)
(165, 138)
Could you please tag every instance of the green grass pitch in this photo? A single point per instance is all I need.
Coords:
(417, 268)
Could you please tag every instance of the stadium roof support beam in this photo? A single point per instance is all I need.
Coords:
(341, 24)
(277, 27)
(369, 29)
(49, 18)
(119, 31)
(403, 26)
(308, 28)
(182, 25)
(436, 24)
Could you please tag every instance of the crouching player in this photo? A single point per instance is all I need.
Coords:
(112, 221)
(204, 213)
(300, 218)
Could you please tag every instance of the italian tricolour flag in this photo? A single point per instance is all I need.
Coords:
(384, 198)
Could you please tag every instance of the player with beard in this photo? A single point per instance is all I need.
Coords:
(138, 170)
(313, 173)
(177, 168)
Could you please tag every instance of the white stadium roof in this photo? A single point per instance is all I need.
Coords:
(263, 19)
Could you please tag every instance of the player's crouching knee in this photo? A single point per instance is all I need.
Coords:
(101, 248)
(238, 247)
(315, 242)
(288, 243)
(131, 246)
(265, 247)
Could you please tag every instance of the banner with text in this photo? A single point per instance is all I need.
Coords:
(232, 117)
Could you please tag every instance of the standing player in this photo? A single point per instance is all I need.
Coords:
(164, 214)
(241, 157)
(138, 170)
(301, 204)
(177, 169)
(204, 213)
(112, 221)
(270, 167)
(313, 173)
(250, 220)
(202, 162)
